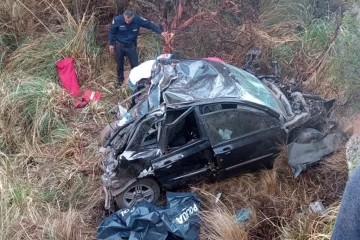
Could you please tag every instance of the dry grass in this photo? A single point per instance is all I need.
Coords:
(49, 185)
(311, 226)
(279, 202)
(218, 221)
(44, 197)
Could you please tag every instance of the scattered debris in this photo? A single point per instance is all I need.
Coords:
(165, 56)
(102, 150)
(317, 208)
(146, 172)
(180, 219)
(121, 112)
(217, 197)
(242, 215)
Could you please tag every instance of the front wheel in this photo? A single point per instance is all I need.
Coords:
(143, 189)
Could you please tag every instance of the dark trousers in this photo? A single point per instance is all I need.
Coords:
(347, 224)
(122, 50)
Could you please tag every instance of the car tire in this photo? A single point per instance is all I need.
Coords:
(133, 194)
(308, 135)
(107, 131)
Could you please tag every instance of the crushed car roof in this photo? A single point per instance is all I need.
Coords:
(180, 81)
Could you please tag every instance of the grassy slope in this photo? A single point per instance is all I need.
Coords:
(49, 179)
(49, 176)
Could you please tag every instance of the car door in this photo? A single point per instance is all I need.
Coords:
(186, 161)
(243, 138)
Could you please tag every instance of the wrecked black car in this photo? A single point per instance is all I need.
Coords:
(203, 120)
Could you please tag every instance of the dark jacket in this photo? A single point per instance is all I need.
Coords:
(128, 33)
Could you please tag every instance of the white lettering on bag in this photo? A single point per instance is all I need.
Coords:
(187, 213)
(123, 212)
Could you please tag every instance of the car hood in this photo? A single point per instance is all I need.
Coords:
(180, 81)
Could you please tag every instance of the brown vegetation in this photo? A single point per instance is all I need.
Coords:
(279, 202)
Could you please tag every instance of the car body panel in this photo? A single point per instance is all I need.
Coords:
(184, 165)
(250, 152)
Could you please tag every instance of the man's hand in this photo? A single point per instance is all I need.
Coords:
(111, 49)
(167, 36)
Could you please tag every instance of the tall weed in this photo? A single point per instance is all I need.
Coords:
(277, 13)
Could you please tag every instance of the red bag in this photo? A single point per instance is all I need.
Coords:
(67, 75)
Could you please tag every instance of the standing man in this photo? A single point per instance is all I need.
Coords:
(123, 39)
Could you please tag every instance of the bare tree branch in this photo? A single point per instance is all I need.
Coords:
(175, 22)
(164, 20)
(193, 18)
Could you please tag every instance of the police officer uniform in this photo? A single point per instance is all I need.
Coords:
(124, 37)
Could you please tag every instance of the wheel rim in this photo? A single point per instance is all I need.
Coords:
(137, 194)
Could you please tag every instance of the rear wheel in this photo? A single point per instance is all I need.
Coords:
(145, 189)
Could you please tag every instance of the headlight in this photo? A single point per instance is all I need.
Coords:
(115, 184)
(105, 180)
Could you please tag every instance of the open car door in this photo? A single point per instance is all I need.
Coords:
(185, 154)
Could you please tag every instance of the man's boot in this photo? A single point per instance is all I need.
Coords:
(118, 84)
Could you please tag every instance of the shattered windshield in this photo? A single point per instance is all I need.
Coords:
(253, 90)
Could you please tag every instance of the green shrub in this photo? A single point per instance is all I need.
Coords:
(317, 34)
(34, 107)
(345, 57)
(284, 53)
(149, 46)
(277, 12)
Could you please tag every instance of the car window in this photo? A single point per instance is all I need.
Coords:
(144, 130)
(272, 122)
(183, 129)
(230, 124)
(151, 137)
